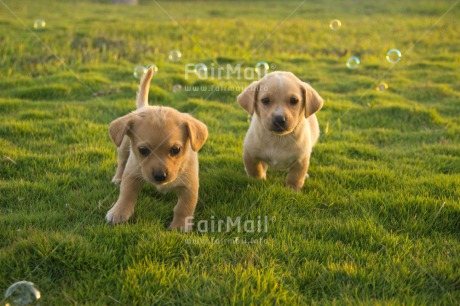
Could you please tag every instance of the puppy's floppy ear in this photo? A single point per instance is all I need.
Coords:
(119, 127)
(197, 132)
(247, 98)
(312, 100)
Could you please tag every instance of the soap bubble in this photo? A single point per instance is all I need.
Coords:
(394, 56)
(175, 55)
(201, 70)
(382, 86)
(353, 62)
(335, 24)
(155, 68)
(139, 72)
(177, 88)
(39, 24)
(262, 68)
(22, 293)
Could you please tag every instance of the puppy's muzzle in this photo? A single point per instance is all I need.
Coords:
(279, 123)
(160, 176)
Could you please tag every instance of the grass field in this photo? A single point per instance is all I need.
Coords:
(377, 222)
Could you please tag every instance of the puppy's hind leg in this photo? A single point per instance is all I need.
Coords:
(123, 155)
(296, 176)
(254, 167)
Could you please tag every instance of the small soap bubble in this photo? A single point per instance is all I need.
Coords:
(201, 70)
(262, 68)
(177, 88)
(175, 55)
(335, 24)
(394, 56)
(22, 293)
(39, 24)
(382, 86)
(139, 72)
(155, 68)
(353, 62)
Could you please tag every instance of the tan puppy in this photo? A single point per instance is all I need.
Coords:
(283, 127)
(159, 145)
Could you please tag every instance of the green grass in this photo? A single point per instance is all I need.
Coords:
(377, 222)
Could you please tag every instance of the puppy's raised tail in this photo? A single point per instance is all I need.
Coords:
(143, 93)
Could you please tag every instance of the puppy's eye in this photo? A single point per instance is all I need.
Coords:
(265, 101)
(144, 151)
(294, 101)
(175, 150)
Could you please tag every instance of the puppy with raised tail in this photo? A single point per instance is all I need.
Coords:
(283, 127)
(159, 145)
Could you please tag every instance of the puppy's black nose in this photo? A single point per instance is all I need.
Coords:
(160, 176)
(279, 120)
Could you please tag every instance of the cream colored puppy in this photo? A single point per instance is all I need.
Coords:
(159, 145)
(283, 127)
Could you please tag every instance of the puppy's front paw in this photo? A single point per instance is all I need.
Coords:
(294, 187)
(180, 225)
(116, 180)
(260, 175)
(116, 215)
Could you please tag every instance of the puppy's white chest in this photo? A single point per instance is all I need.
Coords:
(279, 159)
